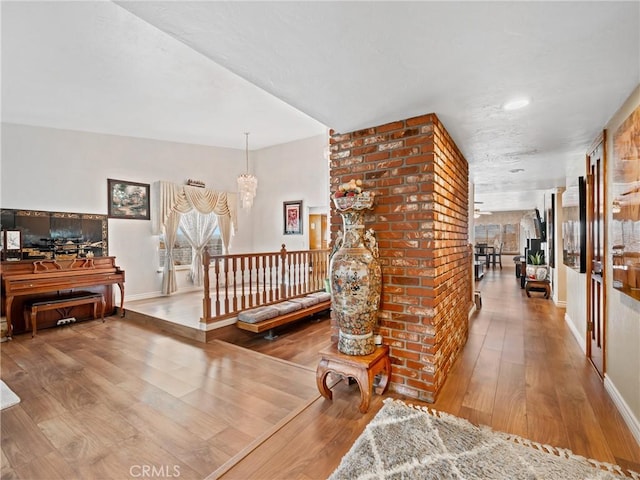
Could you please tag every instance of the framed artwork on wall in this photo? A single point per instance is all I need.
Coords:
(128, 199)
(292, 217)
(625, 208)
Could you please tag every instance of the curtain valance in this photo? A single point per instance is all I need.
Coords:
(172, 202)
(172, 197)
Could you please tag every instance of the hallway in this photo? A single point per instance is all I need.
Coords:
(521, 371)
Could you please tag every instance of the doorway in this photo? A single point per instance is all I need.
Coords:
(596, 255)
(317, 231)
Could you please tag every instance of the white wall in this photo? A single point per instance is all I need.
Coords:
(66, 171)
(576, 314)
(559, 271)
(292, 171)
(623, 312)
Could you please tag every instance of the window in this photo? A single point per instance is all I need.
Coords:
(182, 251)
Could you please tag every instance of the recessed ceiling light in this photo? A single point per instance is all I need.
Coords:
(516, 104)
(516, 170)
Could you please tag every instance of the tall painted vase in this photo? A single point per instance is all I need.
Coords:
(356, 277)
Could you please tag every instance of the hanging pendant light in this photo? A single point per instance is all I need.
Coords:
(247, 183)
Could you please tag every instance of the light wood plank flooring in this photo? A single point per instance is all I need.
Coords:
(99, 399)
(108, 400)
(521, 372)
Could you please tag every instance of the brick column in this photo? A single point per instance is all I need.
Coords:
(420, 216)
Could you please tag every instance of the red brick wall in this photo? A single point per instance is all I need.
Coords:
(420, 217)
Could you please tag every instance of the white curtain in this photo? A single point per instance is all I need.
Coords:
(175, 200)
(198, 229)
(170, 230)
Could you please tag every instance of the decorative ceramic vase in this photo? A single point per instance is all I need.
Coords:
(356, 278)
(537, 272)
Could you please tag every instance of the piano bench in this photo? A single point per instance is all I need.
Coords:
(32, 308)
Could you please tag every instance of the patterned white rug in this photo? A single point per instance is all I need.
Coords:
(7, 397)
(409, 442)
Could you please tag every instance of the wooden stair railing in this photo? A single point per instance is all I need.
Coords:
(243, 281)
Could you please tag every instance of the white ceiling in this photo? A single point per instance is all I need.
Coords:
(163, 70)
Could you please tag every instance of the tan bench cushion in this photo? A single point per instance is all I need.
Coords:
(259, 314)
(286, 307)
(305, 301)
(321, 296)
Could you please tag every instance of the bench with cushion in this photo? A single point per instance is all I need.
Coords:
(268, 317)
(63, 303)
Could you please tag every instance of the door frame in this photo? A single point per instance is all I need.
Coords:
(599, 142)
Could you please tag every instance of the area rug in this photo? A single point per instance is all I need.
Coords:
(7, 397)
(408, 442)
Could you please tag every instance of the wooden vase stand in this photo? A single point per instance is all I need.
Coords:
(362, 368)
(538, 285)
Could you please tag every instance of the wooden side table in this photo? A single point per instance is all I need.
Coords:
(542, 285)
(363, 368)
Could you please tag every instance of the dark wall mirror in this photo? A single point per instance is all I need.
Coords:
(574, 227)
(55, 234)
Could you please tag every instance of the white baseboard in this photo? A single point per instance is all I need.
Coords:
(157, 294)
(581, 341)
(628, 416)
(139, 296)
(561, 303)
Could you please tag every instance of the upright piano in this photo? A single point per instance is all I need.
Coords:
(28, 280)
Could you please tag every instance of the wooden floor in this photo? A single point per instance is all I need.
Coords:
(107, 400)
(521, 372)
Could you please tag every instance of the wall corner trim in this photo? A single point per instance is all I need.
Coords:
(624, 409)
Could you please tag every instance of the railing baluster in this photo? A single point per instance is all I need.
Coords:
(243, 299)
(250, 268)
(234, 263)
(283, 266)
(271, 278)
(206, 301)
(263, 259)
(217, 265)
(226, 285)
(283, 275)
(307, 270)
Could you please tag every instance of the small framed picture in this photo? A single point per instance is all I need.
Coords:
(11, 244)
(12, 240)
(293, 217)
(128, 199)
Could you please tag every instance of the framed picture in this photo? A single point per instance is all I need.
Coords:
(11, 244)
(293, 217)
(128, 199)
(574, 227)
(12, 240)
(625, 207)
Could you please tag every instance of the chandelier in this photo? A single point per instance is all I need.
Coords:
(247, 183)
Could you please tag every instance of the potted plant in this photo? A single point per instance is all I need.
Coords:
(537, 269)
